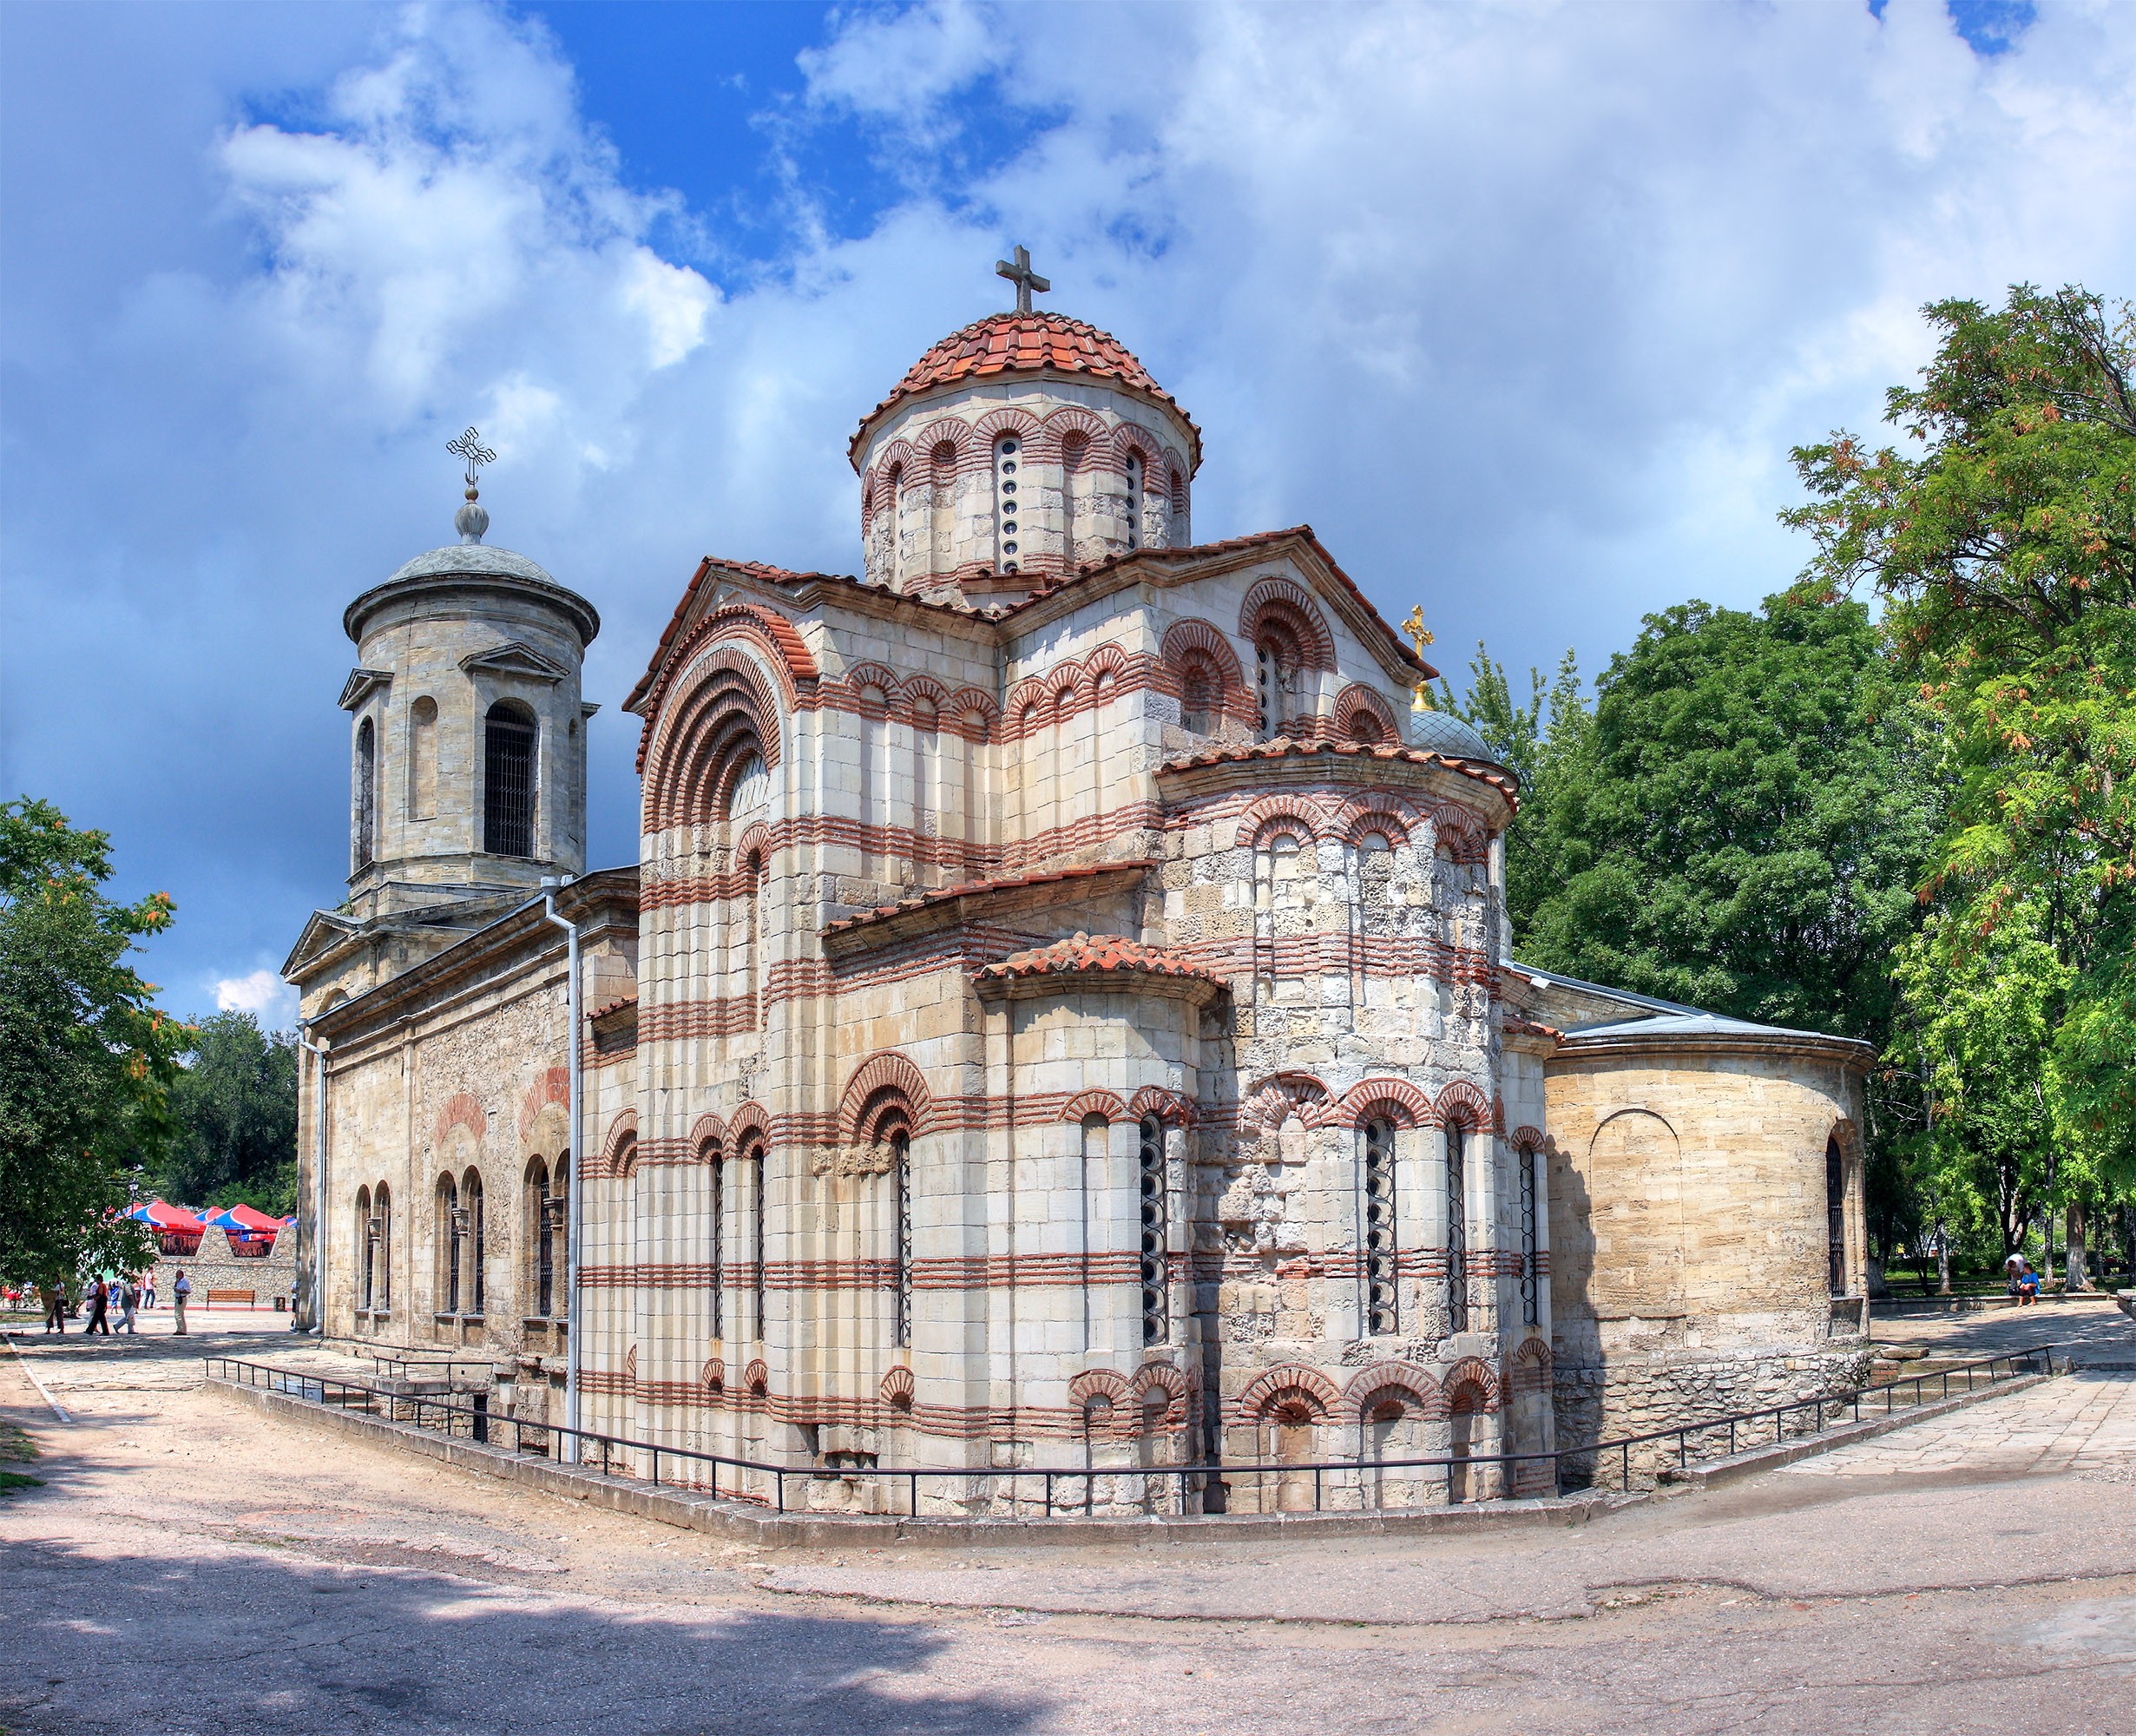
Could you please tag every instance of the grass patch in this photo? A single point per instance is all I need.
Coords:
(16, 1446)
(12, 1480)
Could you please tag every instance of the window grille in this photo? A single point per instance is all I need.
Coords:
(1267, 679)
(1381, 1305)
(508, 782)
(545, 1259)
(1134, 503)
(719, 1248)
(383, 1205)
(1530, 1282)
(472, 1194)
(1008, 527)
(1156, 1292)
(1456, 1228)
(366, 792)
(455, 1227)
(1836, 1216)
(900, 1166)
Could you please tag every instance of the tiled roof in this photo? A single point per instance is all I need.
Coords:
(970, 888)
(1514, 1025)
(614, 1006)
(1026, 343)
(1282, 747)
(1083, 953)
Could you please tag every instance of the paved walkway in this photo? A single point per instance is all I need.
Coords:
(192, 1566)
(2083, 1421)
(2090, 1331)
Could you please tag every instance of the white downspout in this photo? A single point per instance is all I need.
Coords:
(318, 1051)
(572, 1233)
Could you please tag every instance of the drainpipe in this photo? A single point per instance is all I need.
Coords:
(574, 1323)
(318, 1051)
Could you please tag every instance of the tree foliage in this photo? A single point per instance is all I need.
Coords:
(233, 1118)
(85, 1056)
(2003, 543)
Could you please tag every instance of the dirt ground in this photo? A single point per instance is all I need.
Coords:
(190, 1565)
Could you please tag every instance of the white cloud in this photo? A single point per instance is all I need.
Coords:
(1520, 306)
(260, 993)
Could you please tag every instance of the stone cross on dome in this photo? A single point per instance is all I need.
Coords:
(1024, 278)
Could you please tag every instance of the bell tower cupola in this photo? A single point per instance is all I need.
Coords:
(467, 730)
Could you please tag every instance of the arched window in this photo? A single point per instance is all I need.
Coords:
(941, 508)
(1377, 1229)
(1176, 532)
(1531, 1289)
(366, 794)
(1836, 1215)
(471, 1207)
(447, 1233)
(541, 1242)
(1202, 692)
(422, 758)
(1456, 1228)
(1135, 501)
(901, 1168)
(366, 1250)
(1156, 1286)
(1075, 455)
(507, 780)
(756, 1158)
(1365, 727)
(1008, 526)
(559, 1235)
(896, 505)
(717, 1165)
(382, 1218)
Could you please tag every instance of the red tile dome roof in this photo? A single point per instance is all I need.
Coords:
(1037, 342)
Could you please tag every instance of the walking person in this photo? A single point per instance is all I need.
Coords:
(128, 1298)
(182, 1287)
(100, 1301)
(56, 1309)
(148, 1291)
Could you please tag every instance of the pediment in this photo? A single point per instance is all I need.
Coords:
(361, 684)
(514, 659)
(323, 930)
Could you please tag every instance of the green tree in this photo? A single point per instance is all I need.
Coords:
(85, 1056)
(233, 1117)
(1741, 823)
(2003, 543)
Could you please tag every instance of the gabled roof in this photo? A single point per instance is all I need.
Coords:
(1088, 953)
(1039, 342)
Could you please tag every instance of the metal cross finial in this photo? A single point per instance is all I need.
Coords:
(469, 447)
(1023, 277)
(1420, 636)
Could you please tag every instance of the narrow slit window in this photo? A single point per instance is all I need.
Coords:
(1156, 1292)
(901, 1167)
(1381, 1255)
(366, 794)
(1531, 1289)
(1456, 1228)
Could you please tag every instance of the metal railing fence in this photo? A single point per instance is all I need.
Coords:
(1299, 1487)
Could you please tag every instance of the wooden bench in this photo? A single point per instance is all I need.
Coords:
(231, 1299)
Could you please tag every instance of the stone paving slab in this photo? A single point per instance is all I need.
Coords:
(2085, 1420)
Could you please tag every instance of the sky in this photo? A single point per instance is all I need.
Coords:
(1521, 306)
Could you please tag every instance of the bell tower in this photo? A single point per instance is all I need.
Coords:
(467, 730)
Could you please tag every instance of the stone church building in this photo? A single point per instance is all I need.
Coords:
(1060, 1015)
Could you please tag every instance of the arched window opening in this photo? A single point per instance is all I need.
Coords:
(507, 780)
(448, 1229)
(559, 1208)
(1377, 1232)
(541, 1242)
(471, 1207)
(382, 1218)
(366, 1249)
(1156, 1290)
(901, 1168)
(1202, 692)
(366, 794)
(1531, 1283)
(755, 1160)
(1836, 1216)
(1456, 1228)
(1007, 524)
(1365, 728)
(1075, 455)
(941, 508)
(896, 504)
(422, 758)
(1176, 532)
(1135, 501)
(718, 1244)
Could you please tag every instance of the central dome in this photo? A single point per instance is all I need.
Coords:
(1036, 343)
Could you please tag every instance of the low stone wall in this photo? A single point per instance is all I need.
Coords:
(216, 1268)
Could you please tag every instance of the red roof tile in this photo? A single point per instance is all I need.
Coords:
(1083, 953)
(1037, 342)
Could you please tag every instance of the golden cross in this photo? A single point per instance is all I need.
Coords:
(1420, 636)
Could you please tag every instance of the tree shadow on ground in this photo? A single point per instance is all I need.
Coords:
(92, 1642)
